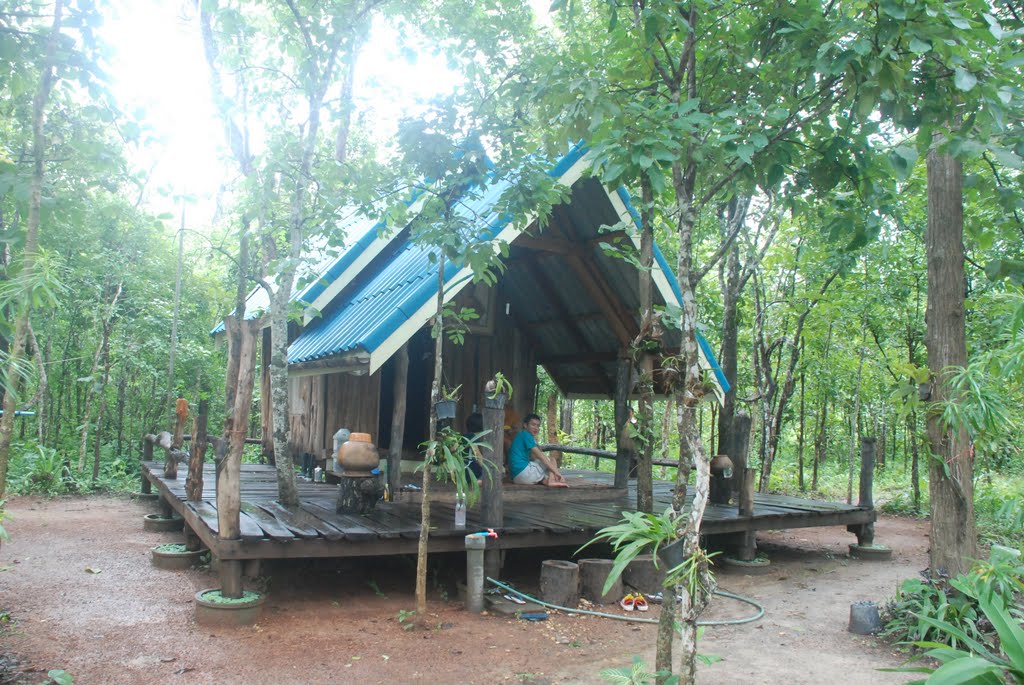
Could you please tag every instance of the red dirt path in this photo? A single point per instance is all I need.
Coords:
(82, 596)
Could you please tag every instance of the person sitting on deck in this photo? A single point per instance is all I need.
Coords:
(527, 463)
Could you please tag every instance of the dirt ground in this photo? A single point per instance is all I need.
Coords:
(80, 595)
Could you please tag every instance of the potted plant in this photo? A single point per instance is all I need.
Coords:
(445, 407)
(451, 452)
(497, 392)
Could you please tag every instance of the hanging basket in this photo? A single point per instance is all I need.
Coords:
(445, 410)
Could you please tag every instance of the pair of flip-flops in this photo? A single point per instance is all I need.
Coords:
(633, 602)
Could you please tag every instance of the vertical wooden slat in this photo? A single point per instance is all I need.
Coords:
(398, 419)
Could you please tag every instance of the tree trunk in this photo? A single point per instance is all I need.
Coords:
(435, 396)
(854, 422)
(169, 397)
(287, 493)
(915, 464)
(229, 469)
(31, 248)
(953, 539)
(97, 438)
(92, 390)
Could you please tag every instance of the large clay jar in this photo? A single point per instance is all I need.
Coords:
(358, 456)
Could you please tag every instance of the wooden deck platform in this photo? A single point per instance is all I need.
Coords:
(535, 516)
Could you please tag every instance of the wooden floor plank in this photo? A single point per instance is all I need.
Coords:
(296, 524)
(532, 515)
(271, 527)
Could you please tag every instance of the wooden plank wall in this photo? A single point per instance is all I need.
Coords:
(320, 405)
(502, 347)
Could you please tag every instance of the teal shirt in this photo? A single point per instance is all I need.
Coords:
(519, 453)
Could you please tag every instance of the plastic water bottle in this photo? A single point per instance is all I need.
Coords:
(460, 511)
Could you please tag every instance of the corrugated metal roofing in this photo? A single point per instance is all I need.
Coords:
(364, 317)
(328, 263)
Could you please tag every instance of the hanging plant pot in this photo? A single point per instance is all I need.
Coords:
(495, 401)
(672, 554)
(445, 410)
(213, 609)
(175, 557)
(156, 523)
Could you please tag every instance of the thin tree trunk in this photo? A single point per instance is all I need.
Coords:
(97, 438)
(435, 396)
(915, 464)
(169, 397)
(850, 461)
(800, 437)
(104, 339)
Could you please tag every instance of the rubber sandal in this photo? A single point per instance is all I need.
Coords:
(628, 602)
(639, 603)
(512, 598)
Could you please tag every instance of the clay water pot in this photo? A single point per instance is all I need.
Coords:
(358, 456)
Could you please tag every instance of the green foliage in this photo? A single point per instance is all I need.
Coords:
(40, 470)
(4, 536)
(406, 618)
(447, 456)
(637, 534)
(636, 674)
(924, 609)
(60, 677)
(973, 662)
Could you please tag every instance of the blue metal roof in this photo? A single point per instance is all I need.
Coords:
(363, 318)
(368, 316)
(328, 266)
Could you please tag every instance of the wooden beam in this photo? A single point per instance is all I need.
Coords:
(588, 358)
(401, 388)
(551, 245)
(622, 382)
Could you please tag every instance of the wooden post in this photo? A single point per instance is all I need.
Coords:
(865, 532)
(747, 548)
(166, 441)
(560, 583)
(401, 387)
(194, 480)
(147, 456)
(229, 469)
(593, 575)
(740, 443)
(230, 577)
(180, 416)
(622, 378)
(492, 492)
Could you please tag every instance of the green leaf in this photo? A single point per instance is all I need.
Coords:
(893, 9)
(745, 151)
(60, 676)
(919, 47)
(964, 80)
(903, 159)
(969, 670)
